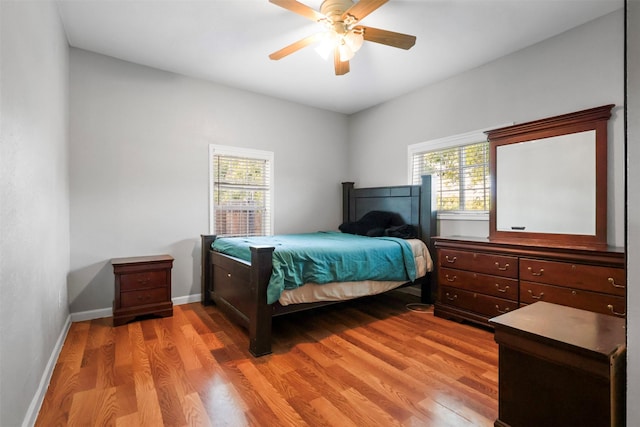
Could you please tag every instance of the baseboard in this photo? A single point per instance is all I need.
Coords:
(34, 408)
(81, 316)
(108, 312)
(187, 300)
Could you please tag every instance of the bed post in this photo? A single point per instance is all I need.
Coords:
(347, 187)
(427, 211)
(260, 312)
(427, 230)
(206, 278)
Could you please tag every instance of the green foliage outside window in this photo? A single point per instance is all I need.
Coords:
(463, 177)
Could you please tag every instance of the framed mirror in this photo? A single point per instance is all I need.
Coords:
(549, 180)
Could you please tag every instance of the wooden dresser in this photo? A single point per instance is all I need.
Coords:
(479, 279)
(142, 287)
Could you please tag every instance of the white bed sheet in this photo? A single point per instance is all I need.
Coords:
(340, 291)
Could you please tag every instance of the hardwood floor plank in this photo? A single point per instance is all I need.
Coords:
(360, 363)
(194, 412)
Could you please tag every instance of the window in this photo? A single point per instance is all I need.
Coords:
(459, 166)
(241, 183)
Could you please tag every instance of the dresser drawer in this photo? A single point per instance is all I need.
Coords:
(484, 305)
(531, 292)
(588, 277)
(497, 265)
(144, 280)
(501, 287)
(147, 296)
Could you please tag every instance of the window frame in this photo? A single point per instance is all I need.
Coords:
(448, 142)
(249, 153)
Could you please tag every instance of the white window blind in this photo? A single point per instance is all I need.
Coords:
(241, 192)
(459, 167)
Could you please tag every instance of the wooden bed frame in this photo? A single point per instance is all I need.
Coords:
(239, 288)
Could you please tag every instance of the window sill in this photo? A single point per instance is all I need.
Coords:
(463, 216)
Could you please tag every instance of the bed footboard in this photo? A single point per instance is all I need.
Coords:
(239, 289)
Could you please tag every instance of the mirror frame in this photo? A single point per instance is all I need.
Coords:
(585, 120)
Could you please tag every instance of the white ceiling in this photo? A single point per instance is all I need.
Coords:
(228, 42)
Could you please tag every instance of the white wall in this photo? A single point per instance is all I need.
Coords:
(34, 202)
(633, 211)
(139, 142)
(579, 69)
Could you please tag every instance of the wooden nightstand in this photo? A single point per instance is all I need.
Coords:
(142, 287)
(560, 366)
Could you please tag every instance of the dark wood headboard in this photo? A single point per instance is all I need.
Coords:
(412, 202)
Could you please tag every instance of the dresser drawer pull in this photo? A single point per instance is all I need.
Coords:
(614, 284)
(535, 296)
(451, 298)
(143, 281)
(451, 279)
(502, 290)
(450, 260)
(610, 307)
(505, 268)
(533, 273)
(506, 310)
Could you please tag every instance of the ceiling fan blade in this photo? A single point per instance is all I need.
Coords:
(295, 46)
(300, 9)
(363, 8)
(342, 67)
(403, 41)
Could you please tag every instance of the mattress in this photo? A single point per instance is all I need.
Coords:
(342, 291)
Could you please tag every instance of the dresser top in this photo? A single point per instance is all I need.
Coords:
(565, 326)
(528, 244)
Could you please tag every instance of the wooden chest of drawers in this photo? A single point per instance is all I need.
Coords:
(142, 287)
(559, 366)
(479, 279)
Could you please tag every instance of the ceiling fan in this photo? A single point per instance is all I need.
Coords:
(342, 35)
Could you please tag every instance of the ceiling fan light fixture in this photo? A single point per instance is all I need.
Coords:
(328, 42)
(346, 53)
(355, 39)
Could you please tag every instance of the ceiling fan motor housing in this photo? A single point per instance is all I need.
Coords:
(333, 9)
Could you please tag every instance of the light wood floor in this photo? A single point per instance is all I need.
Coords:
(368, 362)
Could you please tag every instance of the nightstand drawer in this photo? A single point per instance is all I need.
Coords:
(501, 287)
(145, 280)
(593, 301)
(477, 303)
(497, 265)
(148, 296)
(588, 277)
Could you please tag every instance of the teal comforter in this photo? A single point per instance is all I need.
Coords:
(325, 257)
